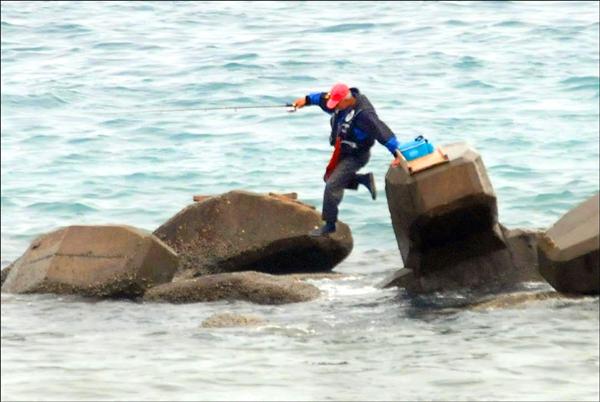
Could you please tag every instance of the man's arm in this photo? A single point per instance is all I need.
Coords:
(369, 122)
(314, 98)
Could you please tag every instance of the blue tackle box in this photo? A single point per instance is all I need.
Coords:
(416, 149)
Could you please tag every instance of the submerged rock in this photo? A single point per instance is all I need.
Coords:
(255, 287)
(568, 251)
(228, 320)
(446, 225)
(241, 231)
(515, 300)
(104, 261)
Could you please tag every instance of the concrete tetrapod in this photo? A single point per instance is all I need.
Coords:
(446, 224)
(568, 251)
(104, 261)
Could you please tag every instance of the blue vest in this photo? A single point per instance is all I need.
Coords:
(354, 140)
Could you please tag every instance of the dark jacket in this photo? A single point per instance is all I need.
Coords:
(358, 126)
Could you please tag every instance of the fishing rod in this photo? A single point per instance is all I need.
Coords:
(235, 108)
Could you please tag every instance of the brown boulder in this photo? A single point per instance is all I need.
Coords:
(240, 231)
(107, 261)
(568, 251)
(255, 287)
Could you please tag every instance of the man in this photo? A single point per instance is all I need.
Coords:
(354, 129)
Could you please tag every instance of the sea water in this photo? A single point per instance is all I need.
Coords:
(518, 81)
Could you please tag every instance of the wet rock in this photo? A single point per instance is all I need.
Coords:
(486, 273)
(228, 320)
(103, 261)
(523, 247)
(515, 300)
(4, 273)
(317, 276)
(446, 224)
(200, 198)
(568, 251)
(255, 287)
(402, 278)
(492, 272)
(291, 196)
(240, 231)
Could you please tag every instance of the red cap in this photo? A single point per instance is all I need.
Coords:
(337, 93)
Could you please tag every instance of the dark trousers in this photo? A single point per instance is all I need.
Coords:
(343, 177)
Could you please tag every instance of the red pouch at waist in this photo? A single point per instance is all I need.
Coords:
(335, 158)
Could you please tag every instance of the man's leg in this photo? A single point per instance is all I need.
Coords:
(367, 180)
(344, 176)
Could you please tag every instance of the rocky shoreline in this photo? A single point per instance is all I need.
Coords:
(255, 247)
(446, 224)
(236, 246)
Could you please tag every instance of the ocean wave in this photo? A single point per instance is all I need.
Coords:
(456, 23)
(76, 208)
(245, 56)
(468, 62)
(512, 24)
(6, 202)
(185, 137)
(64, 29)
(115, 45)
(581, 83)
(83, 140)
(45, 100)
(345, 27)
(242, 66)
(117, 122)
(41, 138)
(475, 84)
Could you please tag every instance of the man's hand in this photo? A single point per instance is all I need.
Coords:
(399, 161)
(299, 103)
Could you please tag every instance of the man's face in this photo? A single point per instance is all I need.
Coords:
(344, 104)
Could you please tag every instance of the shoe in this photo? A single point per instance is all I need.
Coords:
(323, 230)
(369, 182)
